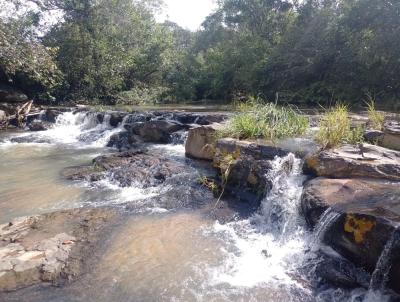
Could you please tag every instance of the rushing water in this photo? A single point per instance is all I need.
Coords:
(159, 254)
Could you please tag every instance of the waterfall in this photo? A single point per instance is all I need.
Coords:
(269, 246)
(325, 222)
(381, 273)
(85, 129)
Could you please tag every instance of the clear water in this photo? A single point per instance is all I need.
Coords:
(159, 254)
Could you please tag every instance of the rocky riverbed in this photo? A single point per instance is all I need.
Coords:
(294, 222)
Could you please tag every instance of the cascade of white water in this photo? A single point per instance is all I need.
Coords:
(381, 273)
(268, 246)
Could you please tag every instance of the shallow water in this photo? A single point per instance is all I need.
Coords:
(159, 254)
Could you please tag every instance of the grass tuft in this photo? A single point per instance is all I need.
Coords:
(270, 121)
(376, 118)
(335, 128)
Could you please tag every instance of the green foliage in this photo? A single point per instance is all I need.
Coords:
(335, 128)
(376, 118)
(309, 52)
(269, 121)
(24, 61)
(141, 94)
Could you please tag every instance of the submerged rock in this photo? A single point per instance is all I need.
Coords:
(355, 161)
(87, 173)
(200, 142)
(49, 248)
(38, 125)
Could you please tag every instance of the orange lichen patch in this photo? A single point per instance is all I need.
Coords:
(359, 227)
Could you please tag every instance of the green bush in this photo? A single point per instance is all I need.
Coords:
(376, 118)
(335, 128)
(259, 120)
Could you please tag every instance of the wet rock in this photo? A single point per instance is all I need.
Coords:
(116, 118)
(30, 139)
(49, 248)
(355, 161)
(38, 125)
(361, 237)
(391, 138)
(158, 131)
(50, 115)
(349, 195)
(123, 140)
(368, 214)
(134, 167)
(88, 173)
(340, 272)
(244, 166)
(139, 168)
(200, 142)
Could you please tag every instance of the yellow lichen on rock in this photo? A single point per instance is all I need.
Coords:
(359, 227)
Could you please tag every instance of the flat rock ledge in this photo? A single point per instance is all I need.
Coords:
(49, 248)
(355, 161)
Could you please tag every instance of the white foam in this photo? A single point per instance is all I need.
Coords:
(261, 250)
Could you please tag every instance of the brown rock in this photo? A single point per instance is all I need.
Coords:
(368, 214)
(350, 195)
(355, 161)
(391, 138)
(34, 249)
(200, 142)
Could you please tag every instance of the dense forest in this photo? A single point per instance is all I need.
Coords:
(305, 52)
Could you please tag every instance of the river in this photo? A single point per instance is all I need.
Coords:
(157, 253)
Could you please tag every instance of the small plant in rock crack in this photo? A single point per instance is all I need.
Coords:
(209, 183)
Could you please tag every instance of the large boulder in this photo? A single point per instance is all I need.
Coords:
(129, 168)
(123, 140)
(200, 142)
(363, 216)
(355, 161)
(157, 131)
(243, 166)
(50, 248)
(321, 193)
(391, 139)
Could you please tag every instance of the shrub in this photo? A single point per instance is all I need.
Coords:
(376, 118)
(335, 128)
(258, 120)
